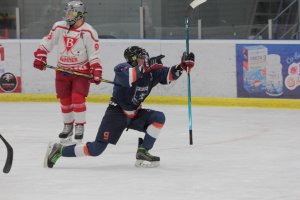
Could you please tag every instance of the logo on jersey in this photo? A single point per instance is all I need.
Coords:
(140, 94)
(69, 42)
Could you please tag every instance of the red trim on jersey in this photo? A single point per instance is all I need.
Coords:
(63, 27)
(44, 48)
(84, 30)
(134, 77)
(90, 32)
(74, 65)
(94, 59)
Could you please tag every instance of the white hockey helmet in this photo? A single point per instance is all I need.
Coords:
(74, 11)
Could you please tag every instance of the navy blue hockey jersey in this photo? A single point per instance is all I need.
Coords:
(132, 87)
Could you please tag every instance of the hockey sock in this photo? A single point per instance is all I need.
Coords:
(79, 108)
(88, 149)
(96, 148)
(67, 110)
(68, 151)
(148, 141)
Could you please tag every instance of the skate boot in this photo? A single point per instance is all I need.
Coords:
(79, 129)
(144, 158)
(54, 155)
(66, 134)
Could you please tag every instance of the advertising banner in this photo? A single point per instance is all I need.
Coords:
(10, 68)
(268, 70)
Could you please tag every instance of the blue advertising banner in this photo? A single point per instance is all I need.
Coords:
(268, 70)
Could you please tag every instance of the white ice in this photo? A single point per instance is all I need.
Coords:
(238, 154)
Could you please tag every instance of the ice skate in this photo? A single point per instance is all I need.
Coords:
(54, 154)
(66, 135)
(79, 129)
(144, 158)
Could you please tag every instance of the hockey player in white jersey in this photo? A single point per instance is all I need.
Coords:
(78, 50)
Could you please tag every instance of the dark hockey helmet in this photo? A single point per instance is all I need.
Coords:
(132, 53)
(74, 11)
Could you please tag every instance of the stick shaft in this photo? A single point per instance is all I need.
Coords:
(189, 83)
(78, 74)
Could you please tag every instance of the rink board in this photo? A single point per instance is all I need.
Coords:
(168, 100)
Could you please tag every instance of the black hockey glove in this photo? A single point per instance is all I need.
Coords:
(187, 61)
(153, 63)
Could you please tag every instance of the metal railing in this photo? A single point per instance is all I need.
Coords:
(271, 21)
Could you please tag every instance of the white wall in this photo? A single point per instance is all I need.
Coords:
(214, 74)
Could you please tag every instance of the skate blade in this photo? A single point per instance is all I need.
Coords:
(47, 154)
(146, 164)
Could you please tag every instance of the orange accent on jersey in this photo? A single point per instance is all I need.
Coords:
(133, 75)
(86, 150)
(106, 135)
(157, 125)
(95, 40)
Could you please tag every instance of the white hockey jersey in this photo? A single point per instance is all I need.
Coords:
(78, 49)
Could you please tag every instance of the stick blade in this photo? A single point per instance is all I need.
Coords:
(10, 156)
(9, 160)
(196, 3)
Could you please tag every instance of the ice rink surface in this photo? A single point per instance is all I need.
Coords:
(238, 154)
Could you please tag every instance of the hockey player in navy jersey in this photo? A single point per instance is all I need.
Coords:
(134, 81)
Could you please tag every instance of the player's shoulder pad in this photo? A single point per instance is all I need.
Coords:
(61, 23)
(87, 28)
(122, 67)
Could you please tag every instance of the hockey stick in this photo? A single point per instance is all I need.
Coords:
(10, 155)
(190, 8)
(78, 74)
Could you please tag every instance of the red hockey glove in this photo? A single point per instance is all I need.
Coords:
(153, 63)
(40, 59)
(96, 72)
(187, 61)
